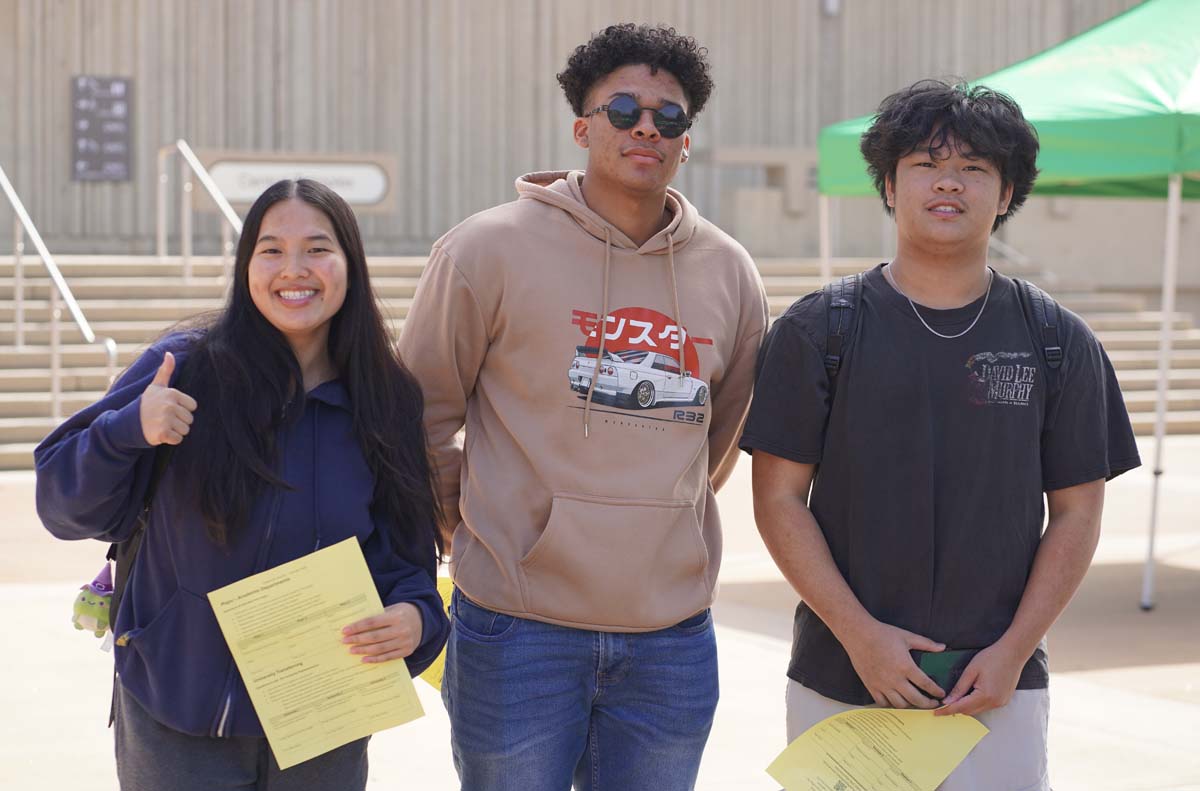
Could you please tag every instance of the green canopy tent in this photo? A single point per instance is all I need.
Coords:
(1117, 110)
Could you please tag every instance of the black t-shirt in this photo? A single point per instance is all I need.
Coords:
(933, 460)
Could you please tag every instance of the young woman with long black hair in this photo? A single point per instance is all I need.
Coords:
(283, 424)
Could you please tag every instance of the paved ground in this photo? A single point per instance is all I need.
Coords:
(1125, 688)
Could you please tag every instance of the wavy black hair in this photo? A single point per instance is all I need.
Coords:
(247, 382)
(937, 114)
(627, 44)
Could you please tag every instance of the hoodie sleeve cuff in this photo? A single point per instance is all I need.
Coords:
(431, 621)
(124, 426)
(435, 628)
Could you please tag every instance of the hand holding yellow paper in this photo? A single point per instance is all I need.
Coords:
(877, 750)
(284, 628)
(433, 674)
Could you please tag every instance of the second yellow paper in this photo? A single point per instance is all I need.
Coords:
(284, 628)
(433, 674)
(877, 750)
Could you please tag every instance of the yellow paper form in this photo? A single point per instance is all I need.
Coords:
(284, 628)
(433, 674)
(877, 750)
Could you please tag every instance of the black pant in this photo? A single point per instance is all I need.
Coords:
(153, 757)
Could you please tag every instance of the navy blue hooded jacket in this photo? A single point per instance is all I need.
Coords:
(92, 475)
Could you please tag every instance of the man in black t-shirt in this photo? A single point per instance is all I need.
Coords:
(921, 544)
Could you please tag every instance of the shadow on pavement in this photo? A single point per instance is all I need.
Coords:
(1103, 628)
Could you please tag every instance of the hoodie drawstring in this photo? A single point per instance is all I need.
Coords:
(675, 301)
(603, 326)
(603, 330)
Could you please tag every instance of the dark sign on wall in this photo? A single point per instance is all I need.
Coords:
(101, 128)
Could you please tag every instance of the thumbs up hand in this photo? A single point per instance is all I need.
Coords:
(166, 413)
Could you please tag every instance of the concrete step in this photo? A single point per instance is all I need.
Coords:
(1182, 379)
(17, 455)
(25, 429)
(789, 288)
(1140, 320)
(1093, 302)
(811, 267)
(1177, 423)
(38, 310)
(87, 288)
(1147, 340)
(37, 380)
(142, 332)
(73, 266)
(85, 355)
(38, 404)
(123, 332)
(1147, 400)
(1134, 359)
(164, 312)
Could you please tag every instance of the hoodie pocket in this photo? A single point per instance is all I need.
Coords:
(606, 562)
(178, 660)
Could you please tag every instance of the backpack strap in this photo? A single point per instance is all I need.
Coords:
(1046, 315)
(842, 297)
(124, 552)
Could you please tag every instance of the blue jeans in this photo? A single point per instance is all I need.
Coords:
(536, 706)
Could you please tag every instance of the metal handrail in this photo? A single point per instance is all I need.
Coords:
(190, 164)
(22, 225)
(1016, 258)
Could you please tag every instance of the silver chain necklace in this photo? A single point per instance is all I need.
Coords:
(991, 275)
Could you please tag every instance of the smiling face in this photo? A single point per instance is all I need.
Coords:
(949, 199)
(297, 274)
(640, 159)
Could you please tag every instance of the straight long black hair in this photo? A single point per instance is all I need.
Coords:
(247, 382)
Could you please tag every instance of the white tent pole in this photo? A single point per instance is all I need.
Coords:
(825, 237)
(1170, 275)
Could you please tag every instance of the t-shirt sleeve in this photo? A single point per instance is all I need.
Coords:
(1089, 437)
(791, 389)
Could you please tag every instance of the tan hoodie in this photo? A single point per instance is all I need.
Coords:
(585, 500)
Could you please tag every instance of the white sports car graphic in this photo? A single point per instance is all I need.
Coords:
(636, 378)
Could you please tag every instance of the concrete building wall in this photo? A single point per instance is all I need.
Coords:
(463, 94)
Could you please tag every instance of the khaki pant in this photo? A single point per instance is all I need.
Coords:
(1011, 757)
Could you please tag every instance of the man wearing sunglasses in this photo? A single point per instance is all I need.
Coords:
(597, 339)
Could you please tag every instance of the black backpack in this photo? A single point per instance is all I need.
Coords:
(842, 297)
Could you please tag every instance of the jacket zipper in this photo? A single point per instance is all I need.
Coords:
(222, 719)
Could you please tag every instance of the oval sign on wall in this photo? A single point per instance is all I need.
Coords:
(360, 183)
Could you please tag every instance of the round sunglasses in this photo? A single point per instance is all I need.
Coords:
(624, 113)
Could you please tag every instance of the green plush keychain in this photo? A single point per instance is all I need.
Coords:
(93, 605)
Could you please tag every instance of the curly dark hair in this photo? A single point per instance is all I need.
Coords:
(938, 114)
(621, 45)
